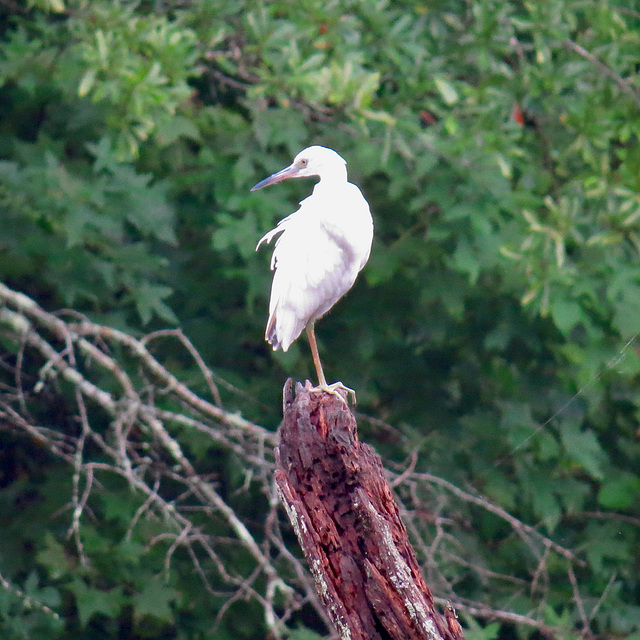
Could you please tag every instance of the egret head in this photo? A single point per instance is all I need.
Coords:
(312, 161)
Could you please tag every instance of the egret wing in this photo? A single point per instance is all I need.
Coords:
(309, 278)
(318, 253)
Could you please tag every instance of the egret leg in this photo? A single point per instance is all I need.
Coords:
(323, 386)
(311, 334)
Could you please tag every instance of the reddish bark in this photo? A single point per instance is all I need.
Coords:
(341, 507)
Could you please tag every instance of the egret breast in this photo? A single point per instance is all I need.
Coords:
(320, 250)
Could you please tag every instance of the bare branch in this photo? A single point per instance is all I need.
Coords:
(28, 601)
(605, 69)
(127, 416)
(525, 531)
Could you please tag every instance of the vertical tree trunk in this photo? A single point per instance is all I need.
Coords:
(341, 507)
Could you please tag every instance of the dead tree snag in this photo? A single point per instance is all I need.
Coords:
(341, 507)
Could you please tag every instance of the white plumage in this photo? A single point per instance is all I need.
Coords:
(319, 251)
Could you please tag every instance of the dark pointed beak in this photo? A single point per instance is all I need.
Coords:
(291, 171)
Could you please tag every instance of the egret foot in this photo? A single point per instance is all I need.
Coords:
(336, 389)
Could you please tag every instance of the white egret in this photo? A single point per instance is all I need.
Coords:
(321, 249)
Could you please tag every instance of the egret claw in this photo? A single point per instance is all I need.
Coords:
(335, 389)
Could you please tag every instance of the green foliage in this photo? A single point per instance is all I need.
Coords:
(97, 231)
(497, 144)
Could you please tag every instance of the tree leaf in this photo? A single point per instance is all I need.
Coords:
(155, 600)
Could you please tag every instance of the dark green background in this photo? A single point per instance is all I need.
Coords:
(494, 326)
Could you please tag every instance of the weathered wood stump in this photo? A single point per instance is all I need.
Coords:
(341, 507)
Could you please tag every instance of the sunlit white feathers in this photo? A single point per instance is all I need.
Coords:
(319, 250)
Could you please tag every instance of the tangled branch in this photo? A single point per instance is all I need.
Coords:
(130, 417)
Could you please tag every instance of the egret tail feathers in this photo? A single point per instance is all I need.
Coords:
(271, 335)
(282, 329)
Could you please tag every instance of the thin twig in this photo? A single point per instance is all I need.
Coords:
(524, 530)
(606, 70)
